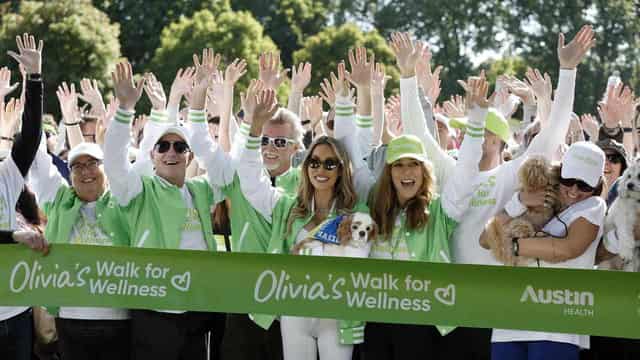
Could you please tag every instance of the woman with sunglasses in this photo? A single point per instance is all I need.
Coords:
(571, 242)
(325, 192)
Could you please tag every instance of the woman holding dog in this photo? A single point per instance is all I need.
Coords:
(570, 243)
(325, 192)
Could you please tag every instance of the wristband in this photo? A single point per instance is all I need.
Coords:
(6, 138)
(72, 124)
(627, 129)
(611, 131)
(514, 207)
(515, 246)
(34, 76)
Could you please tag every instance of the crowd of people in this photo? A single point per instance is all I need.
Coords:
(433, 175)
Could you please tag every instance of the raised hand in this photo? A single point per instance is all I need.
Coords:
(91, 94)
(155, 92)
(270, 73)
(206, 68)
(5, 80)
(28, 54)
(248, 100)
(454, 107)
(313, 109)
(300, 77)
(182, 84)
(521, 89)
(337, 87)
(590, 125)
(618, 108)
(361, 68)
(68, 99)
(477, 90)
(393, 119)
(572, 54)
(235, 71)
(407, 53)
(539, 84)
(126, 91)
(104, 120)
(427, 79)
(10, 117)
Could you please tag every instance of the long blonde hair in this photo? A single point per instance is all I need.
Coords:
(344, 192)
(385, 205)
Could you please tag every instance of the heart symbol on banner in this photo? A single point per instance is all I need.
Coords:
(446, 295)
(181, 282)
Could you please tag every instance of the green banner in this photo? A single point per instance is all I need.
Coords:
(570, 301)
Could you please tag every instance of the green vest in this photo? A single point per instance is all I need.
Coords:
(289, 181)
(157, 214)
(350, 332)
(62, 214)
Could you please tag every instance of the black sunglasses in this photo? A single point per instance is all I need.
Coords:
(614, 158)
(180, 147)
(582, 186)
(329, 164)
(279, 142)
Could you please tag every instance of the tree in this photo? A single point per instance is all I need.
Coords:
(325, 49)
(616, 24)
(288, 22)
(142, 22)
(513, 65)
(234, 34)
(79, 41)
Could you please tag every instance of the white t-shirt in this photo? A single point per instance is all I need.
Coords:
(11, 184)
(593, 210)
(395, 248)
(86, 231)
(192, 235)
(492, 190)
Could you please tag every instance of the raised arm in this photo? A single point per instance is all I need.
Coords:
(254, 182)
(26, 144)
(210, 154)
(232, 74)
(124, 182)
(68, 99)
(456, 196)
(44, 178)
(551, 136)
(378, 83)
(300, 79)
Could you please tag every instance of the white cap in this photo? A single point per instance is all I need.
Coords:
(583, 161)
(85, 148)
(179, 130)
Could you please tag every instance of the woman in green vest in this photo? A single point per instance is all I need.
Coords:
(325, 192)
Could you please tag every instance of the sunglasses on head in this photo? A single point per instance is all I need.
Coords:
(279, 142)
(180, 147)
(614, 158)
(329, 164)
(582, 186)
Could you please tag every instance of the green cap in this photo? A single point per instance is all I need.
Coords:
(495, 122)
(405, 146)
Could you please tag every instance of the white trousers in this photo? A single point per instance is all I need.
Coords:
(303, 338)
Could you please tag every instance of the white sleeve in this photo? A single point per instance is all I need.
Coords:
(414, 124)
(344, 129)
(210, 154)
(552, 135)
(456, 196)
(254, 182)
(364, 134)
(125, 183)
(44, 178)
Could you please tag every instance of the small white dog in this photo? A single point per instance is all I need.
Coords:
(623, 215)
(354, 234)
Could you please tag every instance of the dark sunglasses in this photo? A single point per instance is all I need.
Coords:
(180, 147)
(582, 186)
(279, 142)
(614, 158)
(329, 164)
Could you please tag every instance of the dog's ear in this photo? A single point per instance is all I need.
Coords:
(373, 233)
(344, 230)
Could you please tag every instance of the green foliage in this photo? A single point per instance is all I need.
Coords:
(332, 45)
(79, 41)
(287, 22)
(142, 22)
(234, 34)
(514, 65)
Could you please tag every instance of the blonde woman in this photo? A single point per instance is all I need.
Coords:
(325, 192)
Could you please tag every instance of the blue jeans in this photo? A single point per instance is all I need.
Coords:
(534, 350)
(16, 337)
